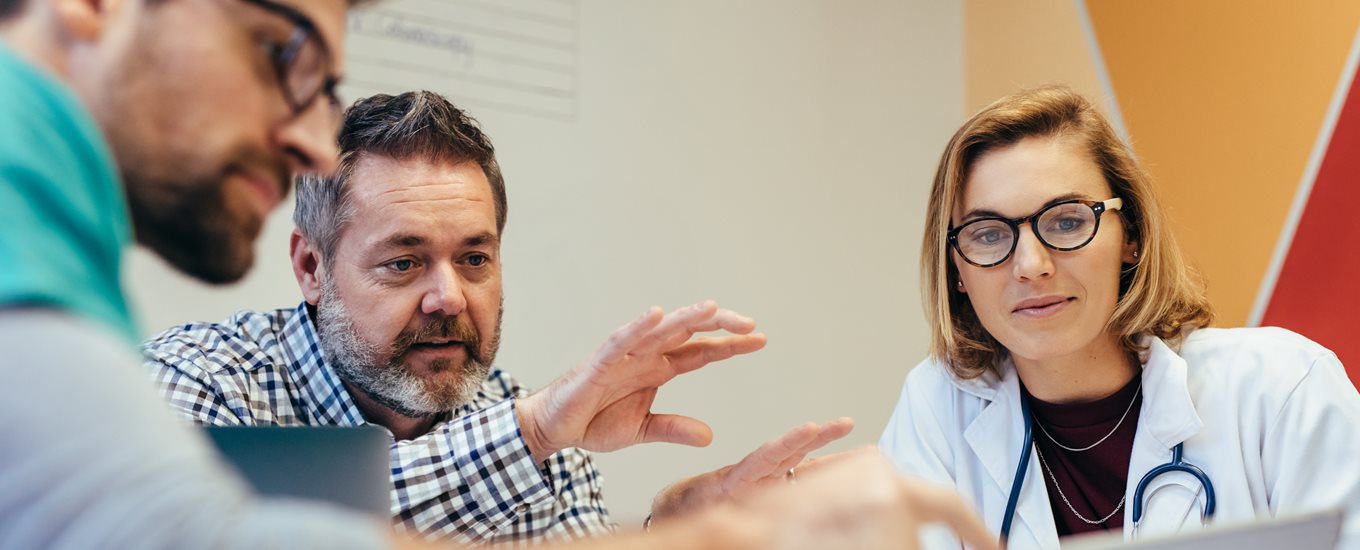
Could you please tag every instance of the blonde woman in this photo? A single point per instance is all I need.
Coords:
(1071, 359)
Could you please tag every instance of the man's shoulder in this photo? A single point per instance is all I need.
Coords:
(33, 96)
(246, 341)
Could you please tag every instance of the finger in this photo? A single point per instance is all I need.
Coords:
(724, 319)
(826, 433)
(673, 428)
(676, 324)
(765, 460)
(728, 320)
(832, 431)
(698, 353)
(626, 337)
(933, 503)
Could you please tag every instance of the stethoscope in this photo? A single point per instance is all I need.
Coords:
(1177, 464)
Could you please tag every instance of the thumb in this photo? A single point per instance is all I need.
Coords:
(672, 428)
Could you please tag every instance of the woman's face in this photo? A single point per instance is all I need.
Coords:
(1042, 303)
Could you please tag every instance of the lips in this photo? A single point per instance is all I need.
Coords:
(439, 343)
(1041, 306)
(267, 188)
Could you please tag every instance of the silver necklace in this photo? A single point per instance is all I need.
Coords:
(1101, 440)
(1068, 502)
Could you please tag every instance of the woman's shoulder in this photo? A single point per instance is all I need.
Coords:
(1263, 343)
(1264, 352)
(929, 418)
(933, 376)
(931, 371)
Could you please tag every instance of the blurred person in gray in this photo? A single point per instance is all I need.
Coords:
(177, 122)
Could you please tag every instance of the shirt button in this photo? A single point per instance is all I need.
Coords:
(522, 508)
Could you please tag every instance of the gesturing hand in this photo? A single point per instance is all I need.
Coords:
(767, 464)
(604, 404)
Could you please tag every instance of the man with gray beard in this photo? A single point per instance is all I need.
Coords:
(382, 375)
(398, 259)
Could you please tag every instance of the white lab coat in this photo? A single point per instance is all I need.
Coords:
(1268, 414)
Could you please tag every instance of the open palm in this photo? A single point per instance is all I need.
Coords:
(605, 403)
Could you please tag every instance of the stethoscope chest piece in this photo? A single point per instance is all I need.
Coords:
(1177, 464)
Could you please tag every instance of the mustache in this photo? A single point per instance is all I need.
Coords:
(452, 328)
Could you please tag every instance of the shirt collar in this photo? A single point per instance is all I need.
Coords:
(1170, 414)
(986, 385)
(322, 394)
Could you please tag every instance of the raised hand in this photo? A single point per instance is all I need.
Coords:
(770, 463)
(604, 404)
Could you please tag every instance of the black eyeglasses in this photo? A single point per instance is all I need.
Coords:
(1067, 225)
(302, 64)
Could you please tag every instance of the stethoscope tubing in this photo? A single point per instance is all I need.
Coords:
(1177, 464)
(1019, 481)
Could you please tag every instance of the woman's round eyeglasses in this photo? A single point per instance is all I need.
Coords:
(1066, 225)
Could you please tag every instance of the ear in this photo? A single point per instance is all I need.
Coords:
(1130, 253)
(307, 268)
(82, 19)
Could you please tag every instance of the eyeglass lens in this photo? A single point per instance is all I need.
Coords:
(305, 72)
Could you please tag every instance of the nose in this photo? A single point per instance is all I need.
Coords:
(445, 294)
(309, 139)
(1031, 260)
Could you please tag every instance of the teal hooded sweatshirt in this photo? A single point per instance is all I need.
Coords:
(64, 222)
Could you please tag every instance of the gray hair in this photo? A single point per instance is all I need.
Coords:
(420, 125)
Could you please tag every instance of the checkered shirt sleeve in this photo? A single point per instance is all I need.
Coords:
(471, 479)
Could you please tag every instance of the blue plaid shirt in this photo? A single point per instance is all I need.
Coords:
(471, 478)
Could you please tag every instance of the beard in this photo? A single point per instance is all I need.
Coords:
(383, 374)
(190, 219)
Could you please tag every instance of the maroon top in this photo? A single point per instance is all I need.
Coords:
(1092, 480)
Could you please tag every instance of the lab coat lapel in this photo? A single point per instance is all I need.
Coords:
(997, 437)
(1167, 417)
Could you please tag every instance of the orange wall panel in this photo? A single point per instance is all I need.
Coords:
(1223, 100)
(1009, 46)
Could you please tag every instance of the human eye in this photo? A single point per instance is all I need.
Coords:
(477, 260)
(273, 46)
(268, 64)
(399, 266)
(1069, 224)
(989, 234)
(1067, 220)
(271, 36)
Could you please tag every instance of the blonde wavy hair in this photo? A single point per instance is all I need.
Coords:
(1160, 295)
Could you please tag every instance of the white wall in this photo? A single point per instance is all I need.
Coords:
(773, 155)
